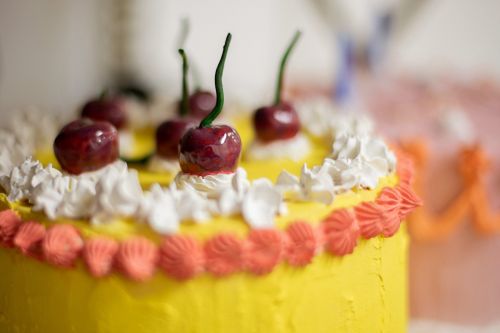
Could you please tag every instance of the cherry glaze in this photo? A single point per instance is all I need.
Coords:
(210, 150)
(169, 134)
(86, 145)
(277, 122)
(110, 109)
(200, 104)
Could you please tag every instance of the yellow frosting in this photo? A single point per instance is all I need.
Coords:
(362, 292)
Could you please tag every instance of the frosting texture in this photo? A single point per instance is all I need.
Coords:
(355, 162)
(321, 117)
(184, 256)
(295, 149)
(115, 191)
(259, 202)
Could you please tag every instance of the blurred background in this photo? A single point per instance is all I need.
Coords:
(56, 54)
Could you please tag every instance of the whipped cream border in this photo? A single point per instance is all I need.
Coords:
(358, 158)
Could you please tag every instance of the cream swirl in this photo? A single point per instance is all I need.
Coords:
(33, 128)
(295, 149)
(365, 153)
(160, 164)
(111, 191)
(158, 207)
(12, 153)
(357, 161)
(211, 186)
(261, 204)
(227, 194)
(118, 192)
(321, 117)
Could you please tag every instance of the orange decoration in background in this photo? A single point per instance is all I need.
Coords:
(472, 201)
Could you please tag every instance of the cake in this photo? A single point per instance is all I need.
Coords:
(93, 244)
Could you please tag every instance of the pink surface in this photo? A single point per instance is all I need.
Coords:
(458, 279)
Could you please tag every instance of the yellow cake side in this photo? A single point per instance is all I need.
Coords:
(362, 292)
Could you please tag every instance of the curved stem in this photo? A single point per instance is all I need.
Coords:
(185, 89)
(284, 59)
(219, 90)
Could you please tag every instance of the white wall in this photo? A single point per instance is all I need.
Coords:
(261, 30)
(55, 53)
(51, 53)
(462, 36)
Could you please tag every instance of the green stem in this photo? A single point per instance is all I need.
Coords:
(284, 59)
(185, 89)
(105, 94)
(185, 28)
(183, 33)
(219, 90)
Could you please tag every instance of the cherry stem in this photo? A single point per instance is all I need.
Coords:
(284, 59)
(185, 89)
(106, 92)
(219, 90)
(183, 33)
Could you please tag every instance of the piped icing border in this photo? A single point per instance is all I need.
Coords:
(182, 257)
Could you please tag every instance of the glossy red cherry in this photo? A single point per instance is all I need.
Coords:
(106, 108)
(209, 150)
(169, 134)
(277, 122)
(201, 103)
(85, 145)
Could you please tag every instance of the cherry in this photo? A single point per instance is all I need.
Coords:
(201, 103)
(209, 150)
(169, 134)
(279, 121)
(86, 145)
(106, 108)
